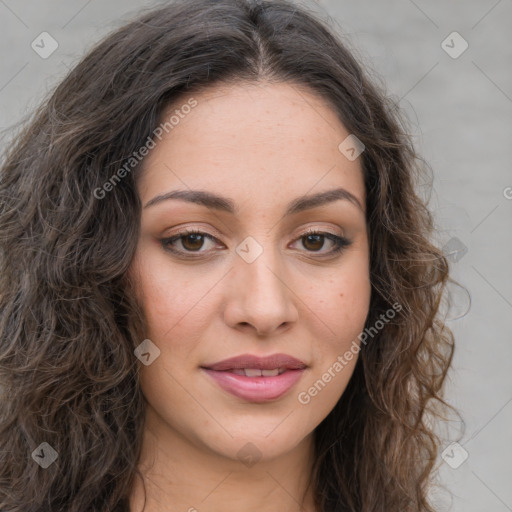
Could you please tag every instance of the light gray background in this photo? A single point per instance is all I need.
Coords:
(460, 110)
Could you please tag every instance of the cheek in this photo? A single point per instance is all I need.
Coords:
(339, 308)
(342, 301)
(174, 299)
(340, 320)
(175, 307)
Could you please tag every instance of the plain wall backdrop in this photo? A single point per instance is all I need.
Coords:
(449, 67)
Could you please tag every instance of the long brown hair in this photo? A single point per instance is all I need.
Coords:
(68, 324)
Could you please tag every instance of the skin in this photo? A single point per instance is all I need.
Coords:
(262, 145)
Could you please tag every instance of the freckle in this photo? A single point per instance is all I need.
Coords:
(341, 294)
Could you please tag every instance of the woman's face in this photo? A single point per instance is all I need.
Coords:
(265, 158)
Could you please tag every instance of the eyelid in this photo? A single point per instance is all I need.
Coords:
(204, 230)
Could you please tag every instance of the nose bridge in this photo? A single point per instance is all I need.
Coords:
(260, 268)
(260, 294)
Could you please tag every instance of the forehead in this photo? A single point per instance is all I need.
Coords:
(254, 142)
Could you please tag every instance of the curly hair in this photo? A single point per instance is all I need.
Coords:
(68, 320)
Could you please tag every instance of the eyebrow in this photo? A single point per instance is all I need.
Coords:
(211, 200)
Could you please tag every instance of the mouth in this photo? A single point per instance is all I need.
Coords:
(255, 372)
(257, 379)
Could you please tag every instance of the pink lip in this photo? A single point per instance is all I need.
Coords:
(255, 389)
(261, 363)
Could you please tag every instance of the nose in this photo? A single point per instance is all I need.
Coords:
(260, 296)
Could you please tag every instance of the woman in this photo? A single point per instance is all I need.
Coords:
(218, 285)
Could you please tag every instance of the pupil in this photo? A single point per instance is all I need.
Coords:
(316, 238)
(195, 237)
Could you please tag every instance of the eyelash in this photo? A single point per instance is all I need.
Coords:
(340, 242)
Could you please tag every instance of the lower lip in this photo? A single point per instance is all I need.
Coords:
(256, 389)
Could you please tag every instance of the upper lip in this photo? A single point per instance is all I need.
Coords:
(270, 362)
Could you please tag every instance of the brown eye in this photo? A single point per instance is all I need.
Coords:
(313, 242)
(192, 241)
